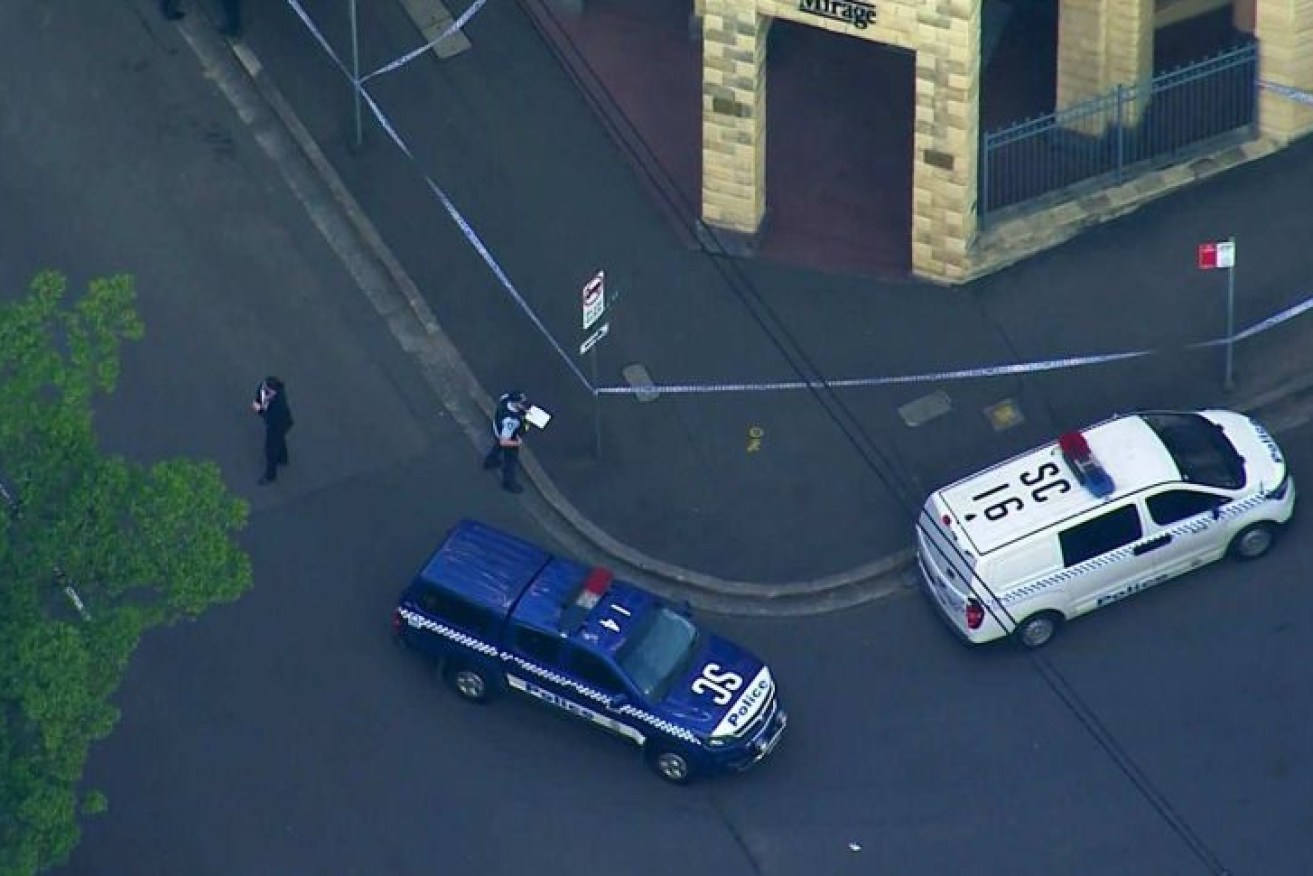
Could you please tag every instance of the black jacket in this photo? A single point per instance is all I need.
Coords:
(277, 415)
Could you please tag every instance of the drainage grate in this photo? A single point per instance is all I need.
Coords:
(1004, 415)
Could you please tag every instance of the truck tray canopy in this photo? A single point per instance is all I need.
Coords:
(484, 565)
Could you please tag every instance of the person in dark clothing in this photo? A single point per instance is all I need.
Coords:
(232, 13)
(270, 403)
(508, 428)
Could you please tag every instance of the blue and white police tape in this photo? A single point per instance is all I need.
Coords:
(412, 55)
(466, 230)
(1295, 94)
(1006, 370)
(319, 37)
(961, 374)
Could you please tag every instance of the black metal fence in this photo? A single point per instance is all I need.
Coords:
(1130, 129)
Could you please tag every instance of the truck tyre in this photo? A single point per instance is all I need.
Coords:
(1253, 541)
(670, 765)
(1038, 630)
(470, 683)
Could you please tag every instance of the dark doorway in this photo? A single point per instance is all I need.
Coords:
(840, 116)
(1195, 39)
(1019, 73)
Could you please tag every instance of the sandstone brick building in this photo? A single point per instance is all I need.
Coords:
(1101, 44)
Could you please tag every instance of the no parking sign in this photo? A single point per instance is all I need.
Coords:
(593, 298)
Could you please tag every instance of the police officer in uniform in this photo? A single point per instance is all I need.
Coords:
(508, 428)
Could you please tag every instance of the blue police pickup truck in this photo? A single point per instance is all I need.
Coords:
(497, 613)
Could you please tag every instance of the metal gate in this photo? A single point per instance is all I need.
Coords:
(1132, 129)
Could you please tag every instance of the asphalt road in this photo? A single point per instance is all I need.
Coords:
(284, 734)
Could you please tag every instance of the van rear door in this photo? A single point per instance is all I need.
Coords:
(945, 566)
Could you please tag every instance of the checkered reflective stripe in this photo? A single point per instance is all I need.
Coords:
(415, 619)
(1023, 593)
(660, 724)
(1189, 527)
(598, 697)
(556, 677)
(1268, 442)
(419, 621)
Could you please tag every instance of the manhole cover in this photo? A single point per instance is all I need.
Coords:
(924, 409)
(1004, 415)
(636, 376)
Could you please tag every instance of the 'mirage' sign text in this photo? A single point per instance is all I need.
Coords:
(853, 12)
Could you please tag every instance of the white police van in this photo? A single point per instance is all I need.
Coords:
(1097, 516)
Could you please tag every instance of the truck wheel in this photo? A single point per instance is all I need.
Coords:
(1253, 541)
(1038, 629)
(671, 766)
(470, 684)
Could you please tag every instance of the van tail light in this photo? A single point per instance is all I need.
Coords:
(975, 614)
(1279, 491)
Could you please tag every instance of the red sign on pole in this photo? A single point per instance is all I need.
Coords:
(1216, 255)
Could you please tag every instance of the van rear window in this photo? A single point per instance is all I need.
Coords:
(1201, 450)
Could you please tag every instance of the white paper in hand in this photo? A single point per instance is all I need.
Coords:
(537, 417)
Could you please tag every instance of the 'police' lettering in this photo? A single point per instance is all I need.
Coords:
(747, 703)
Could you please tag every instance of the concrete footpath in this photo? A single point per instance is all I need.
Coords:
(781, 501)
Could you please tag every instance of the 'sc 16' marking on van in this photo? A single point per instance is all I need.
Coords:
(1045, 479)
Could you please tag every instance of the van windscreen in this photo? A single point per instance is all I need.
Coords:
(1200, 449)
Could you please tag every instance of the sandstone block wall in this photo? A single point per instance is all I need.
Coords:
(1285, 57)
(945, 34)
(1103, 44)
(733, 116)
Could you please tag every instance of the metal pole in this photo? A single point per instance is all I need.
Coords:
(1121, 132)
(1228, 381)
(355, 73)
(597, 404)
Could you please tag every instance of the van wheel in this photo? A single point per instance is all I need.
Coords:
(1253, 541)
(671, 766)
(470, 684)
(1038, 629)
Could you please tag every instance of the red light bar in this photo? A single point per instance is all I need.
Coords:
(596, 584)
(1076, 451)
(1073, 444)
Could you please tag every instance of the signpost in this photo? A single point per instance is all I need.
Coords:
(355, 72)
(593, 301)
(1218, 256)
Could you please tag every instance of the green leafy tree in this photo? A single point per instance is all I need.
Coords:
(94, 551)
